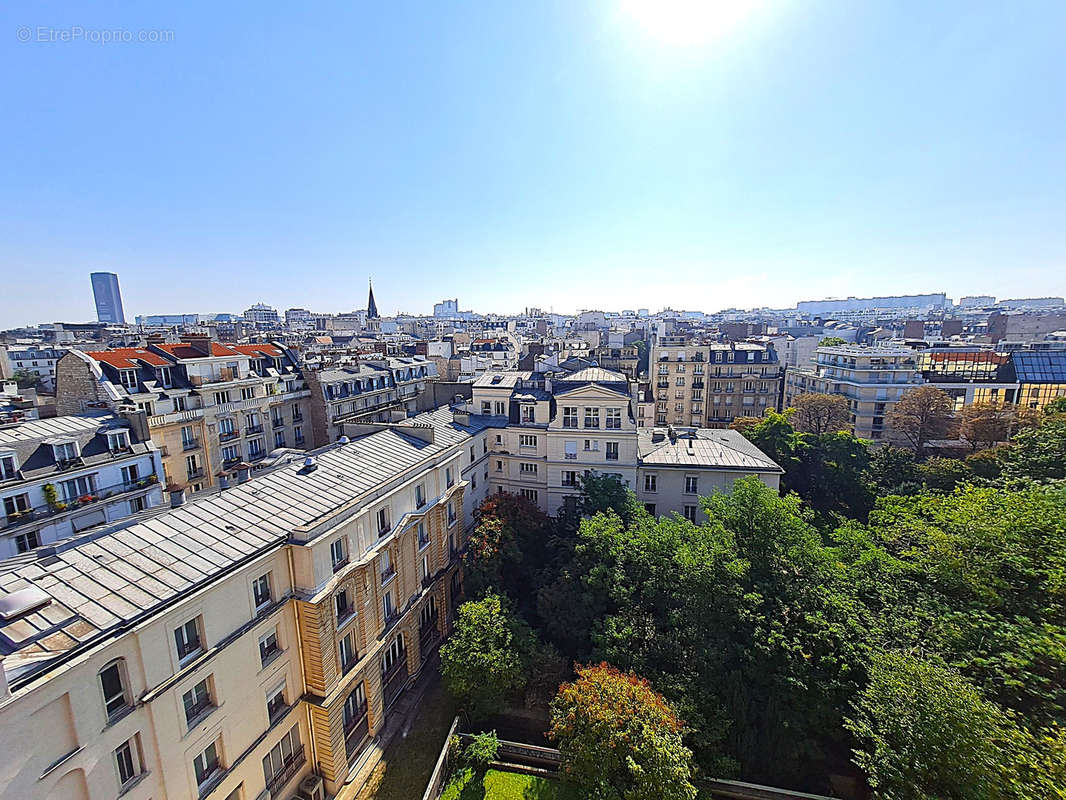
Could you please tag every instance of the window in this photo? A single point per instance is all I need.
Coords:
(423, 537)
(206, 765)
(113, 685)
(192, 466)
(65, 451)
(690, 513)
(188, 437)
(570, 450)
(569, 416)
(499, 465)
(451, 514)
(129, 474)
(387, 570)
(525, 440)
(382, 517)
(486, 407)
(354, 706)
(248, 393)
(187, 639)
(680, 380)
(612, 451)
(268, 647)
(529, 494)
(25, 542)
(255, 448)
(279, 438)
(298, 434)
(197, 702)
(592, 418)
(472, 456)
(569, 478)
(527, 468)
(180, 403)
(76, 488)
(349, 654)
(420, 495)
(276, 703)
(261, 591)
(448, 479)
(501, 409)
(614, 418)
(591, 445)
(230, 454)
(227, 427)
(343, 606)
(387, 606)
(128, 761)
(649, 483)
(129, 379)
(118, 441)
(221, 398)
(338, 552)
(473, 481)
(8, 467)
(691, 484)
(528, 413)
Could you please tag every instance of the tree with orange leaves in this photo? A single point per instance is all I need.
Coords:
(619, 738)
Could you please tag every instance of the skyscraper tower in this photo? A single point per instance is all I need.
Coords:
(108, 298)
(371, 306)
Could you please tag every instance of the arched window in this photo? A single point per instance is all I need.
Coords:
(114, 683)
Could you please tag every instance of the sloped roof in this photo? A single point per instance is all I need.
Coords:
(595, 375)
(98, 585)
(703, 448)
(127, 357)
(268, 350)
(184, 350)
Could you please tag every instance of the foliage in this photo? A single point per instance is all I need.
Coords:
(482, 749)
(892, 470)
(483, 661)
(605, 493)
(50, 495)
(832, 341)
(619, 738)
(1056, 406)
(26, 379)
(493, 784)
(925, 732)
(921, 415)
(1037, 453)
(944, 474)
(985, 463)
(820, 413)
(987, 424)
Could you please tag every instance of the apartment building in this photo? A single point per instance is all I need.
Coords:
(249, 644)
(872, 379)
(64, 475)
(36, 359)
(677, 468)
(549, 430)
(370, 391)
(708, 385)
(210, 406)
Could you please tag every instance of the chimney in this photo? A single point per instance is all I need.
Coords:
(460, 416)
(154, 338)
(244, 472)
(177, 495)
(138, 420)
(200, 342)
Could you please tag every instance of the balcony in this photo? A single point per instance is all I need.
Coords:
(277, 422)
(428, 637)
(394, 679)
(228, 436)
(190, 444)
(251, 429)
(287, 772)
(386, 574)
(193, 474)
(35, 513)
(297, 417)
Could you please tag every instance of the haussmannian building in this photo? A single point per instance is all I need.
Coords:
(249, 644)
(210, 406)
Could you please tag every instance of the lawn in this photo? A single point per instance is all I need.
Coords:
(496, 785)
(407, 762)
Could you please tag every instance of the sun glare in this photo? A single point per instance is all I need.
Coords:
(685, 23)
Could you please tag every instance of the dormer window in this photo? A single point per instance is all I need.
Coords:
(166, 377)
(118, 441)
(9, 466)
(65, 451)
(128, 377)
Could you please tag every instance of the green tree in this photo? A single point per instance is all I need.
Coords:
(483, 661)
(820, 413)
(944, 474)
(26, 379)
(926, 732)
(605, 493)
(832, 341)
(620, 740)
(1037, 453)
(892, 470)
(1056, 406)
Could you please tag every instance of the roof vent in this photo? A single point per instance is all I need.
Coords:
(343, 440)
(309, 462)
(22, 602)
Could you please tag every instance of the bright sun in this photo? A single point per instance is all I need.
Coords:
(688, 22)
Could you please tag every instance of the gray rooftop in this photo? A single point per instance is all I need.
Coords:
(126, 574)
(702, 448)
(594, 375)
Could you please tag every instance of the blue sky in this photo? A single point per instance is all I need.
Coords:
(557, 153)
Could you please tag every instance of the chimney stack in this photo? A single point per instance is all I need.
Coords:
(200, 342)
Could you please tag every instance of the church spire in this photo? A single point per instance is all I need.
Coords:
(371, 306)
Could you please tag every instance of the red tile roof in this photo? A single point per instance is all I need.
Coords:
(188, 351)
(258, 349)
(127, 357)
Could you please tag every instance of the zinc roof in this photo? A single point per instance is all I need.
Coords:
(703, 448)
